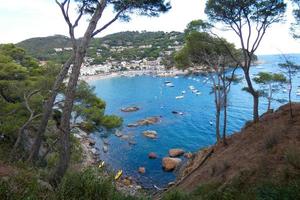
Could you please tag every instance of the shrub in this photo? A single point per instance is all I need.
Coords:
(293, 157)
(176, 195)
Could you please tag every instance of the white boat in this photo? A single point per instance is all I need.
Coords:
(176, 77)
(191, 87)
(170, 84)
(183, 92)
(198, 93)
(166, 82)
(298, 93)
(284, 90)
(259, 67)
(179, 97)
(195, 91)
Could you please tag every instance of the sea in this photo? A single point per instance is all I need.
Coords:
(191, 131)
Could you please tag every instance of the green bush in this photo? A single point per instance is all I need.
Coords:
(176, 195)
(89, 184)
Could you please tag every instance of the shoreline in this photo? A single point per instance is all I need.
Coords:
(90, 157)
(170, 73)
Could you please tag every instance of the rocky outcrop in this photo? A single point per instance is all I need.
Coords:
(176, 152)
(118, 133)
(142, 170)
(188, 155)
(170, 164)
(148, 121)
(152, 155)
(150, 134)
(130, 109)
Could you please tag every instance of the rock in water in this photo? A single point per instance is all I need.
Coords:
(150, 134)
(105, 148)
(118, 133)
(148, 121)
(142, 170)
(130, 109)
(176, 152)
(152, 155)
(170, 164)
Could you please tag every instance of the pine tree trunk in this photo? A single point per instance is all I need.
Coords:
(253, 93)
(64, 131)
(47, 111)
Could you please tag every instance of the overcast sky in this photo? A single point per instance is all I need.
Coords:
(23, 19)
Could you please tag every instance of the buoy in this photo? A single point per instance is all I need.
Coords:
(119, 174)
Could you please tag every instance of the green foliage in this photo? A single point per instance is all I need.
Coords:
(24, 185)
(90, 109)
(175, 195)
(102, 49)
(111, 121)
(89, 184)
(230, 12)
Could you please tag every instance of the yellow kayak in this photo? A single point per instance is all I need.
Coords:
(119, 174)
(101, 164)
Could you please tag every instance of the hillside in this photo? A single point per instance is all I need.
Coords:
(260, 162)
(123, 46)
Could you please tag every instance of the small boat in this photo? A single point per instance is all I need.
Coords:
(259, 67)
(101, 164)
(170, 84)
(118, 175)
(179, 97)
(191, 87)
(177, 113)
(183, 92)
(198, 93)
(176, 77)
(166, 82)
(284, 90)
(211, 123)
(298, 93)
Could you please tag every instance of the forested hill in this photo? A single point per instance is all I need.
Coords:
(123, 46)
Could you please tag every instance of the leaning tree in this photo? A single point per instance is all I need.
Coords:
(249, 19)
(94, 9)
(217, 56)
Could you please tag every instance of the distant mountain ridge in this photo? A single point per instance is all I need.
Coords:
(122, 46)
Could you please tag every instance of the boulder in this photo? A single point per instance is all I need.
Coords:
(94, 151)
(132, 142)
(176, 152)
(142, 170)
(130, 109)
(125, 137)
(91, 142)
(118, 133)
(105, 141)
(132, 125)
(170, 164)
(188, 155)
(150, 134)
(152, 155)
(105, 148)
(148, 121)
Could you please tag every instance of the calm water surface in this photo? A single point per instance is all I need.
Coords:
(190, 131)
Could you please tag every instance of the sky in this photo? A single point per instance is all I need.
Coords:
(23, 19)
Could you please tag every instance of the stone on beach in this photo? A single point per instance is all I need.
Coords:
(150, 134)
(91, 142)
(152, 155)
(130, 109)
(170, 164)
(176, 152)
(188, 155)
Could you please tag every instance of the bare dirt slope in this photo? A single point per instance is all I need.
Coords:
(262, 149)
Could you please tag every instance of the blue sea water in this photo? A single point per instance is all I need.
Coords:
(190, 131)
